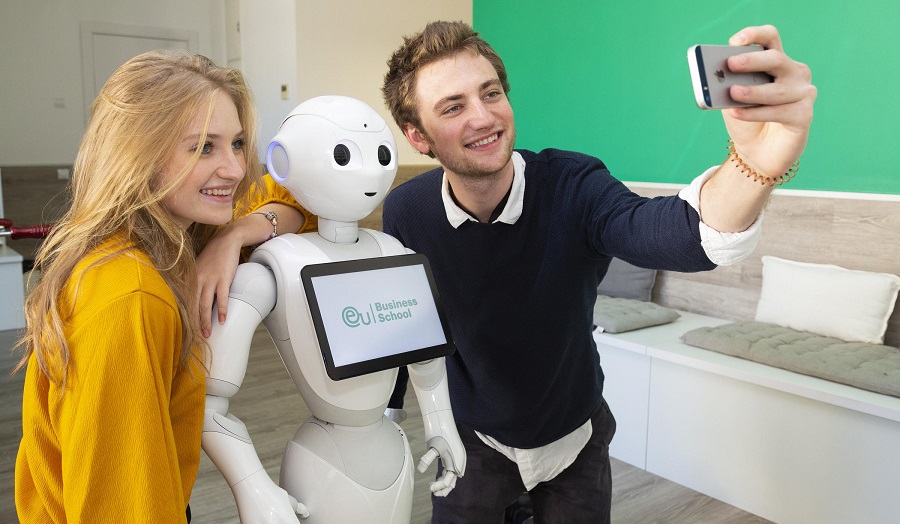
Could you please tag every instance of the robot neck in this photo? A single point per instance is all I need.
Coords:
(338, 232)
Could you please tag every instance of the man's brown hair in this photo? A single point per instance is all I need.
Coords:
(437, 41)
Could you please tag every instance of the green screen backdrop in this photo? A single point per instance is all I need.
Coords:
(610, 78)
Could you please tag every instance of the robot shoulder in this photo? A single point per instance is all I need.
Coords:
(388, 245)
(289, 251)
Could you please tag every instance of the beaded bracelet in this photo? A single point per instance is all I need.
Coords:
(272, 217)
(763, 180)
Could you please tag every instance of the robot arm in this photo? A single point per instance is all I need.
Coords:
(430, 382)
(225, 438)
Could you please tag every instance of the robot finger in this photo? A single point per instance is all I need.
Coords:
(299, 507)
(427, 459)
(443, 486)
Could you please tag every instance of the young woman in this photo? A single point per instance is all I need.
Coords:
(114, 390)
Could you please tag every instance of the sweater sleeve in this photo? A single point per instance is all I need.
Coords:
(659, 233)
(127, 452)
(270, 192)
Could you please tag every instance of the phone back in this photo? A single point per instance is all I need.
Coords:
(712, 79)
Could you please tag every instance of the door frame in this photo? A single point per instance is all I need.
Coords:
(90, 29)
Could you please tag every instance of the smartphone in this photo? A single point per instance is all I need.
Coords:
(712, 78)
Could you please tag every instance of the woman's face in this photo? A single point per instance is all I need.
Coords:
(205, 195)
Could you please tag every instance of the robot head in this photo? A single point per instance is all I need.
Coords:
(336, 155)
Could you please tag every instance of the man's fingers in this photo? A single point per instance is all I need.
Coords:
(764, 35)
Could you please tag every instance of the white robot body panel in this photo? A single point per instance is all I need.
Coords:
(352, 402)
(342, 470)
(349, 450)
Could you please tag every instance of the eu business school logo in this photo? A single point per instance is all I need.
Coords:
(379, 312)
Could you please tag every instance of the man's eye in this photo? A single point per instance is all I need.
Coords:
(452, 109)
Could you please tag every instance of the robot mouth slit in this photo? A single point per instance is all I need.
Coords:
(370, 194)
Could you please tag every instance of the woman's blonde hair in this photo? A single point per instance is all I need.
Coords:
(136, 122)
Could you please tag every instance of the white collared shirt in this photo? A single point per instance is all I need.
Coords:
(541, 464)
(511, 212)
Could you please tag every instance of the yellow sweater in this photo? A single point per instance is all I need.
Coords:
(275, 192)
(122, 443)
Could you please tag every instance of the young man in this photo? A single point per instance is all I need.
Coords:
(518, 242)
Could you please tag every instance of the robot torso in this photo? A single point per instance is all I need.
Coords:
(352, 402)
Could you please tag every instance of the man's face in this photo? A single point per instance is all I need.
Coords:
(467, 122)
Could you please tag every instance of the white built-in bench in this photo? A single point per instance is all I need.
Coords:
(788, 447)
(12, 288)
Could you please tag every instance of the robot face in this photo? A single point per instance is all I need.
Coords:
(336, 155)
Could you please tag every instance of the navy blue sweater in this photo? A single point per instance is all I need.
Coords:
(519, 298)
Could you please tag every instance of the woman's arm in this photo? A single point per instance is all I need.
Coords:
(220, 257)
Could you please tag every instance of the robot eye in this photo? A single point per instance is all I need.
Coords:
(342, 154)
(384, 155)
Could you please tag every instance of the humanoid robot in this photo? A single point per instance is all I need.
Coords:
(347, 462)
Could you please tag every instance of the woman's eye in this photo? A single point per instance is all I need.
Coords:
(238, 145)
(205, 149)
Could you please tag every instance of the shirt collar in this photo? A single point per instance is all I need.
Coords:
(511, 212)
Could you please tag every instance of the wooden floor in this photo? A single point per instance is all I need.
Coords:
(272, 410)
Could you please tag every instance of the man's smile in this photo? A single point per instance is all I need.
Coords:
(484, 141)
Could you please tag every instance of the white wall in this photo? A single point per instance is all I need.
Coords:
(268, 60)
(339, 47)
(40, 62)
(343, 47)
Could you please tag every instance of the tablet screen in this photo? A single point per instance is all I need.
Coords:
(374, 314)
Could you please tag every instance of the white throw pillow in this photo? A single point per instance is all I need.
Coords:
(826, 299)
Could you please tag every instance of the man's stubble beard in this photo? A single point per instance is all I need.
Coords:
(469, 172)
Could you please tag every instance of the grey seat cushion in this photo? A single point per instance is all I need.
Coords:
(618, 315)
(872, 367)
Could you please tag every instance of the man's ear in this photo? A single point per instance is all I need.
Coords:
(416, 139)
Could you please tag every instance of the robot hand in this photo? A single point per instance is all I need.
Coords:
(262, 501)
(453, 459)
